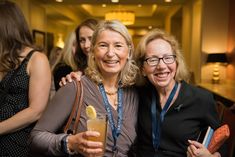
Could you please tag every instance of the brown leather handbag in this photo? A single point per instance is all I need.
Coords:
(71, 125)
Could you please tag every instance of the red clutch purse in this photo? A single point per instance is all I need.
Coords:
(218, 138)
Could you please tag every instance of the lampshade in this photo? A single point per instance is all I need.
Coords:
(126, 17)
(217, 57)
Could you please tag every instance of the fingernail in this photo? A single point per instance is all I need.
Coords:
(97, 134)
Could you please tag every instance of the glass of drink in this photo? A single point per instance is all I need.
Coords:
(98, 124)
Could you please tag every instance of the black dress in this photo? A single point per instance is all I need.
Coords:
(61, 70)
(15, 144)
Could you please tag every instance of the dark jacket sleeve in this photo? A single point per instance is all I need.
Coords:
(213, 119)
(61, 70)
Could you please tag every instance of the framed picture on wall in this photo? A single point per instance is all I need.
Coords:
(39, 38)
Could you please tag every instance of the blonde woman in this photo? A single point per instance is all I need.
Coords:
(111, 69)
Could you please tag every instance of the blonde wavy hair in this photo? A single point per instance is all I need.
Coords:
(68, 53)
(182, 72)
(128, 74)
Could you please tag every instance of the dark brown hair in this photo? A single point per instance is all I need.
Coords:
(15, 35)
(80, 57)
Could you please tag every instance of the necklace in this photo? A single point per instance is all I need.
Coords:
(116, 101)
(111, 93)
(113, 98)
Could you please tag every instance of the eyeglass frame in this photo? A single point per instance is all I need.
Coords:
(159, 59)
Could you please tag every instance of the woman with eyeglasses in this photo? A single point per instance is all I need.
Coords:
(171, 112)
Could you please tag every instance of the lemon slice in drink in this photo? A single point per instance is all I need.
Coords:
(90, 112)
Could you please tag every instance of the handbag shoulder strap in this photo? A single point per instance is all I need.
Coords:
(76, 110)
(79, 108)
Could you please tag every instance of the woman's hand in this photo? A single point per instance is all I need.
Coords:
(79, 143)
(196, 149)
(73, 75)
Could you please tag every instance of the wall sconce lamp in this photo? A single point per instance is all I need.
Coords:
(60, 42)
(216, 58)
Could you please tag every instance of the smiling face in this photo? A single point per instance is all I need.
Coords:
(110, 53)
(161, 75)
(85, 34)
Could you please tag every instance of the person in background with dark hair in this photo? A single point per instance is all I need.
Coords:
(25, 79)
(83, 33)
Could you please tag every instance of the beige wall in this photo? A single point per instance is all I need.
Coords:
(37, 20)
(231, 43)
(191, 36)
(24, 5)
(187, 33)
(214, 34)
(35, 15)
(195, 51)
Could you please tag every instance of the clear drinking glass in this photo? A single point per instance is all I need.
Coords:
(98, 124)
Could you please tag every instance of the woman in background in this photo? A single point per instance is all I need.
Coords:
(66, 63)
(84, 34)
(54, 55)
(26, 94)
(75, 59)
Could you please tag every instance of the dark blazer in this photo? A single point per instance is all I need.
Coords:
(193, 110)
(61, 70)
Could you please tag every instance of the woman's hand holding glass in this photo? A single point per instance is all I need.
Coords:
(196, 149)
(79, 143)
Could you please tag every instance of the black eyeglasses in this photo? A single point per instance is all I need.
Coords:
(153, 61)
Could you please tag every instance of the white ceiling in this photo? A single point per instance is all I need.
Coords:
(151, 13)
